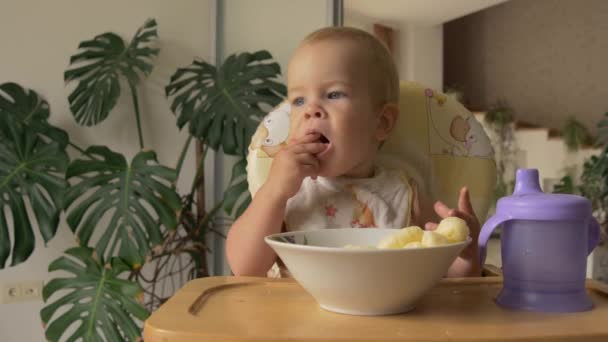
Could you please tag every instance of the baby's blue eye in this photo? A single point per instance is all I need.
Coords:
(298, 101)
(335, 95)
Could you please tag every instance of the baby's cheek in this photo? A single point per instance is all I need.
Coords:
(295, 126)
(367, 131)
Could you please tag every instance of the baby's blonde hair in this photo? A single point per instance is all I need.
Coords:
(384, 77)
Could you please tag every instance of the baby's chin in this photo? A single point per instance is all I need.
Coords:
(332, 170)
(323, 173)
(329, 172)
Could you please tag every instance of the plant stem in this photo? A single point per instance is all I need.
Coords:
(79, 149)
(182, 156)
(199, 180)
(199, 170)
(210, 214)
(137, 117)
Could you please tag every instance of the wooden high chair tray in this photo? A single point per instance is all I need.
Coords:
(458, 309)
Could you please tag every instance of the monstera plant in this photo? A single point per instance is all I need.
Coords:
(135, 232)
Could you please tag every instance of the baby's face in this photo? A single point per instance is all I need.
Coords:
(329, 90)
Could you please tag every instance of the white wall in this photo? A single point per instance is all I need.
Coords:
(536, 150)
(418, 48)
(38, 38)
(424, 54)
(274, 25)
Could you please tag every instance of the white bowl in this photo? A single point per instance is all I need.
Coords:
(361, 281)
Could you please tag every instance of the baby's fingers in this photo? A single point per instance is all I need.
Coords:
(309, 164)
(307, 159)
(464, 202)
(309, 148)
(307, 138)
(311, 171)
(443, 210)
(430, 226)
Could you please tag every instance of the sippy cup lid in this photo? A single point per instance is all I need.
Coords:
(529, 202)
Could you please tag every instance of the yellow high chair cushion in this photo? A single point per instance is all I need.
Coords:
(436, 141)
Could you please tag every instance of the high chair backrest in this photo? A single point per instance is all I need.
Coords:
(436, 141)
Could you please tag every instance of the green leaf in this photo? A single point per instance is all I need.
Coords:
(602, 128)
(98, 66)
(237, 192)
(103, 305)
(575, 135)
(31, 175)
(565, 186)
(594, 180)
(137, 199)
(499, 115)
(25, 108)
(222, 106)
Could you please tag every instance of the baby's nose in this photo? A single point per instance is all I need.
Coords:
(315, 112)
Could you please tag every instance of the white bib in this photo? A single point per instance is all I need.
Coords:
(383, 201)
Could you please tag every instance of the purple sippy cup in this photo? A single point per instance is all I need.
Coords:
(545, 241)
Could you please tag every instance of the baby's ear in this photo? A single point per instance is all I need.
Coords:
(386, 121)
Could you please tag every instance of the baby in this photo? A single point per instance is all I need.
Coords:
(343, 88)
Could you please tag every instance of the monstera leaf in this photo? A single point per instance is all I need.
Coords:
(98, 68)
(103, 305)
(138, 199)
(237, 192)
(24, 107)
(31, 174)
(222, 105)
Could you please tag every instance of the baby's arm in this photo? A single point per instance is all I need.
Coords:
(247, 253)
(246, 250)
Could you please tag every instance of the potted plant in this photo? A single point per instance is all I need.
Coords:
(456, 92)
(575, 135)
(593, 184)
(132, 225)
(500, 120)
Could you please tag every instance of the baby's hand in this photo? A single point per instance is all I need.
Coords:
(293, 163)
(468, 262)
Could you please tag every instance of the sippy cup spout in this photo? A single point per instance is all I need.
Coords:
(526, 182)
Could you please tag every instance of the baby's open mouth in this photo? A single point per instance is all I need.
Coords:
(326, 142)
(323, 139)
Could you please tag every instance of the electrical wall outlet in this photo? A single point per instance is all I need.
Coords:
(23, 291)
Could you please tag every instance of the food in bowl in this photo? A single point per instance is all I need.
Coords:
(454, 229)
(449, 230)
(363, 280)
(402, 238)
